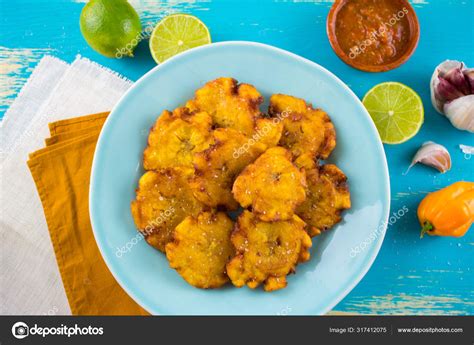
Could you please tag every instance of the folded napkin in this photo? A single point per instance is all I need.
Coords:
(61, 172)
(30, 282)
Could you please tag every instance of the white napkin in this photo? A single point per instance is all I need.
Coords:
(29, 277)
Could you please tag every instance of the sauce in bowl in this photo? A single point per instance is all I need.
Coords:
(373, 35)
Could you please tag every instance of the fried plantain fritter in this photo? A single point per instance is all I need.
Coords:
(163, 200)
(230, 104)
(327, 196)
(272, 185)
(217, 167)
(268, 131)
(307, 131)
(267, 252)
(175, 137)
(201, 248)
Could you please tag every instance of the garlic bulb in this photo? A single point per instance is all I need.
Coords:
(461, 112)
(433, 155)
(452, 93)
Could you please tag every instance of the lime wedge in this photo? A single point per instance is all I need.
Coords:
(396, 110)
(176, 33)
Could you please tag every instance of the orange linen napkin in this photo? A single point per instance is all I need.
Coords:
(61, 172)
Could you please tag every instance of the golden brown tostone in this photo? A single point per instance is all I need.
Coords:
(267, 252)
(230, 104)
(273, 186)
(175, 137)
(217, 167)
(201, 249)
(307, 131)
(163, 200)
(327, 195)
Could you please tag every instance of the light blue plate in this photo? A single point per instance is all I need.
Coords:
(340, 258)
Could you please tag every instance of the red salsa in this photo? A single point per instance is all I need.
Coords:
(373, 32)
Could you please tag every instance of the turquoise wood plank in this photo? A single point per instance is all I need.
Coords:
(410, 276)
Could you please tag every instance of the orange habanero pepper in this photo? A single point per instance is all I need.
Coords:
(449, 211)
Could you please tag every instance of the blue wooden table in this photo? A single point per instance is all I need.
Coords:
(410, 275)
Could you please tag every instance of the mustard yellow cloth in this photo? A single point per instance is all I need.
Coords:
(61, 172)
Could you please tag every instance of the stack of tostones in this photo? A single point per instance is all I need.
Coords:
(219, 153)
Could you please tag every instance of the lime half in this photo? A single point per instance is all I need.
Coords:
(176, 33)
(396, 110)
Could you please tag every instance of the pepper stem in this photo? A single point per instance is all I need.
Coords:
(427, 226)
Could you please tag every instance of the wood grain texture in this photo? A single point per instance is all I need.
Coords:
(409, 276)
(16, 65)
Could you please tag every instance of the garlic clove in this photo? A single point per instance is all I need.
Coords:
(433, 155)
(448, 65)
(437, 78)
(461, 113)
(469, 75)
(447, 91)
(435, 98)
(457, 79)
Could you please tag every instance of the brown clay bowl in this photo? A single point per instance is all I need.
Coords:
(414, 37)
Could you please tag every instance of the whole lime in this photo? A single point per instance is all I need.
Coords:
(111, 27)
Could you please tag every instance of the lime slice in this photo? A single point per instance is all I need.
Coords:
(396, 110)
(176, 33)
